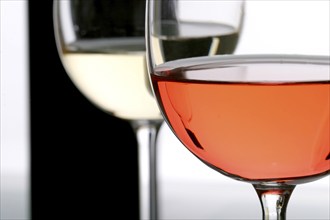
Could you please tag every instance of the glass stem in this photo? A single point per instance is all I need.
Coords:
(146, 133)
(274, 200)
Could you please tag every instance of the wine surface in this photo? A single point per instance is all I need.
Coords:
(266, 121)
(193, 39)
(112, 74)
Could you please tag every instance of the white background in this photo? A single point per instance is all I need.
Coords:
(14, 136)
(188, 189)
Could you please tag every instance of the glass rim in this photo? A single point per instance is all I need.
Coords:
(232, 59)
(249, 68)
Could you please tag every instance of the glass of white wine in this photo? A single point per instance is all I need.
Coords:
(102, 48)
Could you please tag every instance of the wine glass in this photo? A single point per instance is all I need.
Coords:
(102, 48)
(262, 119)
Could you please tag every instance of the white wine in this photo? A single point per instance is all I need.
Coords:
(113, 76)
(112, 72)
(193, 39)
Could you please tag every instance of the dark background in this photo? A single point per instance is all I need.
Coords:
(81, 167)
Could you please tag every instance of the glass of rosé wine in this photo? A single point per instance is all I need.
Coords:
(261, 118)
